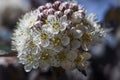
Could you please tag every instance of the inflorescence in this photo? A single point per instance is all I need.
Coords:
(58, 35)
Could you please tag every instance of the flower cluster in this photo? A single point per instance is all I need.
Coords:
(57, 34)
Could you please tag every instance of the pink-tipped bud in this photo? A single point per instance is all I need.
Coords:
(48, 5)
(41, 8)
(58, 13)
(56, 4)
(41, 16)
(64, 6)
(81, 9)
(69, 24)
(68, 12)
(45, 12)
(50, 11)
(37, 25)
(73, 6)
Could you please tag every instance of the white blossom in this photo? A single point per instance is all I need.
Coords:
(65, 59)
(74, 35)
(58, 38)
(81, 60)
(59, 41)
(57, 24)
(29, 60)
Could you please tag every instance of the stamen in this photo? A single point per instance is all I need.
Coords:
(86, 36)
(61, 56)
(56, 41)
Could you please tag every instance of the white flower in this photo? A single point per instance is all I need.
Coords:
(42, 38)
(31, 46)
(19, 38)
(65, 59)
(74, 35)
(28, 20)
(81, 60)
(58, 42)
(91, 32)
(46, 57)
(29, 60)
(57, 24)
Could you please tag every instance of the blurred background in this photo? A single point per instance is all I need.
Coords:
(105, 61)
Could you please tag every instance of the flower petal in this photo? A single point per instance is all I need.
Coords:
(58, 48)
(85, 46)
(65, 40)
(78, 34)
(63, 26)
(28, 67)
(55, 31)
(72, 55)
(51, 18)
(45, 43)
(87, 55)
(63, 18)
(36, 65)
(75, 44)
(68, 65)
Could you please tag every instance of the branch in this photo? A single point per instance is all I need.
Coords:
(10, 54)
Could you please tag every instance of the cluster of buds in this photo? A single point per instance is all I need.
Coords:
(58, 35)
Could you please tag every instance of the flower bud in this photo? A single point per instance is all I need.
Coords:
(45, 12)
(41, 16)
(73, 6)
(81, 9)
(58, 13)
(41, 8)
(56, 4)
(48, 5)
(51, 11)
(64, 6)
(37, 25)
(68, 12)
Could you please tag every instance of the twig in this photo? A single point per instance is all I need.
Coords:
(10, 54)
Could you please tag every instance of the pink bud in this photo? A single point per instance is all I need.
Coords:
(37, 25)
(58, 13)
(41, 16)
(73, 6)
(45, 11)
(51, 11)
(48, 5)
(69, 24)
(41, 8)
(68, 12)
(57, 3)
(64, 6)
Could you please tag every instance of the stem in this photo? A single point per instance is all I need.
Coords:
(10, 54)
